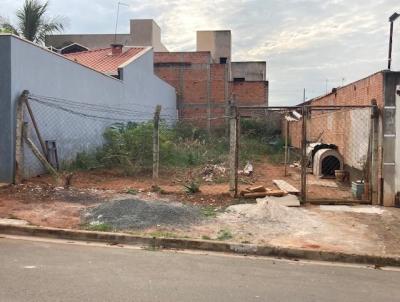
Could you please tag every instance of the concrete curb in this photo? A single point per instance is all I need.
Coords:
(204, 245)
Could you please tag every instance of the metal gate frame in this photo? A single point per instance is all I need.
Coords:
(237, 111)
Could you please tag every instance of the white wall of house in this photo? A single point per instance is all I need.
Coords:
(44, 73)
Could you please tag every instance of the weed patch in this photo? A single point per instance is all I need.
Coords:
(98, 227)
(209, 211)
(128, 147)
(163, 234)
(224, 234)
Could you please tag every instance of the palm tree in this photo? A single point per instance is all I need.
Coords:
(32, 22)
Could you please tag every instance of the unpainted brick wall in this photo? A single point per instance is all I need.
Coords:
(357, 93)
(360, 92)
(347, 128)
(203, 89)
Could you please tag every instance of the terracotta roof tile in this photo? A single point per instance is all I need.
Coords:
(102, 59)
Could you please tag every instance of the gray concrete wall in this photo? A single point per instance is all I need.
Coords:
(143, 32)
(44, 73)
(251, 71)
(89, 40)
(6, 113)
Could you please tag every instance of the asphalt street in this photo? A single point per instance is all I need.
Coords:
(51, 271)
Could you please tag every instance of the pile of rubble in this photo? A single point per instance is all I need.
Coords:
(211, 172)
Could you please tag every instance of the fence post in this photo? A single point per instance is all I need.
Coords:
(19, 156)
(374, 158)
(304, 155)
(156, 142)
(233, 149)
(286, 145)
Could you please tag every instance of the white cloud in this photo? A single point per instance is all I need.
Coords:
(304, 42)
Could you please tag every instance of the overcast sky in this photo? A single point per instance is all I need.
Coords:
(308, 44)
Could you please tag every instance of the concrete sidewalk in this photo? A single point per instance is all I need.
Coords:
(204, 245)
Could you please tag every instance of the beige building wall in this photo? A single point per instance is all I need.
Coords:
(218, 42)
(143, 32)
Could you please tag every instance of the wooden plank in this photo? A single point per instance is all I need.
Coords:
(276, 193)
(257, 189)
(284, 186)
(39, 155)
(35, 125)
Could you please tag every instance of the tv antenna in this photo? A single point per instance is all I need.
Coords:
(116, 22)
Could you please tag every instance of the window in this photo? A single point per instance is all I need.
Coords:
(239, 79)
(223, 60)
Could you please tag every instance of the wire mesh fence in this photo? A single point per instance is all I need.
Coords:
(266, 149)
(324, 153)
(339, 153)
(81, 135)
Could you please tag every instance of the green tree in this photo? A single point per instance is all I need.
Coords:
(32, 24)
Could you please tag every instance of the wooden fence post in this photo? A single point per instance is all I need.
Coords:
(19, 156)
(156, 143)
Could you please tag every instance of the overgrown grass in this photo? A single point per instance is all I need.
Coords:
(192, 188)
(224, 234)
(163, 234)
(209, 211)
(99, 227)
(129, 147)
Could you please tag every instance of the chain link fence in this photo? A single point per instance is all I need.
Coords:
(339, 153)
(324, 153)
(79, 135)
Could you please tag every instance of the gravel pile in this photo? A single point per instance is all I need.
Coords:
(139, 214)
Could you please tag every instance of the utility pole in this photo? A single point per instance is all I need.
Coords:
(392, 18)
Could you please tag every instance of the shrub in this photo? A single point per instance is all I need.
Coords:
(129, 147)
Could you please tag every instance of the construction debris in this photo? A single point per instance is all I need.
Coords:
(287, 201)
(13, 221)
(210, 171)
(248, 169)
(295, 164)
(261, 191)
(284, 186)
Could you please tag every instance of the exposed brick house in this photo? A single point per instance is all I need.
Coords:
(206, 80)
(383, 88)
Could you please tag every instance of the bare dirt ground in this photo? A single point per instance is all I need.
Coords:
(40, 202)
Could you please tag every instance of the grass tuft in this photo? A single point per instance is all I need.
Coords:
(224, 234)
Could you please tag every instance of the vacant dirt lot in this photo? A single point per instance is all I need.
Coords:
(105, 199)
